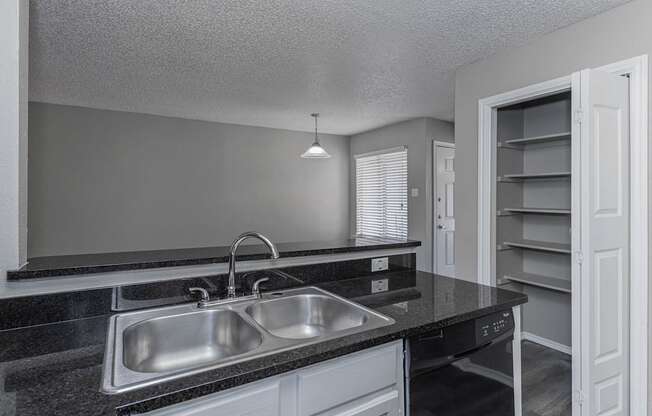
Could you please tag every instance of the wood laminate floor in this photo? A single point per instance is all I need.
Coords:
(546, 381)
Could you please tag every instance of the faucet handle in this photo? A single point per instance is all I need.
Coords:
(255, 290)
(204, 296)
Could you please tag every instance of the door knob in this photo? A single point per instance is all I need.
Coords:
(441, 227)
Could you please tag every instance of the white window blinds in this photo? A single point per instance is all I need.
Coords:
(382, 193)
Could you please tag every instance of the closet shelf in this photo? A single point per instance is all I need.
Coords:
(548, 282)
(539, 246)
(542, 211)
(517, 177)
(538, 139)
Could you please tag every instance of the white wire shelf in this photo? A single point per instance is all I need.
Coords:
(548, 282)
(538, 245)
(540, 211)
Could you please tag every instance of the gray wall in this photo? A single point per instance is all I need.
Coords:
(621, 33)
(618, 34)
(102, 181)
(417, 134)
(14, 24)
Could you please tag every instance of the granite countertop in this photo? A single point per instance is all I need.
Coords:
(56, 369)
(39, 267)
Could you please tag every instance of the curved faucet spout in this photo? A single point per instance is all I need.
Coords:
(234, 247)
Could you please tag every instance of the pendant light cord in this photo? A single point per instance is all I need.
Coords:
(316, 115)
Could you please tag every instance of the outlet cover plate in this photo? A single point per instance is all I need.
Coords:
(381, 285)
(379, 264)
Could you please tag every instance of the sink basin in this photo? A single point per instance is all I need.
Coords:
(306, 316)
(150, 346)
(187, 340)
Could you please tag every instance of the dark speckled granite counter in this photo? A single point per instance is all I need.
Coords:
(56, 369)
(39, 267)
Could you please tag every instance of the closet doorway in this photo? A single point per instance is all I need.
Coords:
(562, 215)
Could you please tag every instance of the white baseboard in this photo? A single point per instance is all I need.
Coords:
(527, 336)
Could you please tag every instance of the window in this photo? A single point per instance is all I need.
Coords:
(381, 193)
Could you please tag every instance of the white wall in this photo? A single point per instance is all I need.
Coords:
(103, 181)
(14, 22)
(417, 134)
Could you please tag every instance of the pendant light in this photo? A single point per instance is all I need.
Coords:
(315, 151)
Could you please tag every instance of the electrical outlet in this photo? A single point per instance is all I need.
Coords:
(378, 286)
(379, 264)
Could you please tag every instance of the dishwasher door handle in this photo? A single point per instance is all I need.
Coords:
(509, 335)
(471, 351)
(433, 336)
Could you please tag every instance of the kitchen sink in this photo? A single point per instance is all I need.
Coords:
(306, 316)
(187, 340)
(151, 346)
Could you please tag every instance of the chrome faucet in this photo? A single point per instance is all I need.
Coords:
(234, 247)
(255, 289)
(204, 296)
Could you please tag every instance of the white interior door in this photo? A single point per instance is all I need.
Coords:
(604, 242)
(444, 210)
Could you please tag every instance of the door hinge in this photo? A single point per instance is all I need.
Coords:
(579, 116)
(579, 257)
(579, 397)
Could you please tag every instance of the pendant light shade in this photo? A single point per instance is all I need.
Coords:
(315, 151)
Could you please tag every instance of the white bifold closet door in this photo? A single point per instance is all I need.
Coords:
(600, 104)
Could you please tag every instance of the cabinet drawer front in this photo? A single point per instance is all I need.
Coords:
(260, 401)
(332, 384)
(385, 405)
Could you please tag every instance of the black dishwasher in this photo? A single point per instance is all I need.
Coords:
(465, 369)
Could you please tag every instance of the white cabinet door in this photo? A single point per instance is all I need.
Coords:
(387, 404)
(261, 400)
(604, 242)
(329, 385)
(366, 383)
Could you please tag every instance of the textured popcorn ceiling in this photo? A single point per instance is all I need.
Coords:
(361, 63)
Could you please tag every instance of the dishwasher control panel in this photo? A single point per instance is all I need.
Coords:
(494, 325)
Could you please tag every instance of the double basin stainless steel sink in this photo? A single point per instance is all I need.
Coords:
(151, 346)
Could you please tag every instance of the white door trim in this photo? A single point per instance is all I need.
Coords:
(637, 70)
(518, 373)
(433, 207)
